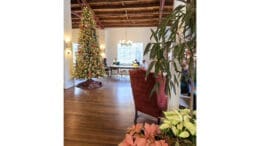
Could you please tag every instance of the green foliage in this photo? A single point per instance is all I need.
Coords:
(88, 59)
(175, 35)
(180, 124)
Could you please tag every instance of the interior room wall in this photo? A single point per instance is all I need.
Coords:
(114, 35)
(75, 35)
(68, 64)
(111, 36)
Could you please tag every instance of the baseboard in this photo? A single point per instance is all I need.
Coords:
(68, 84)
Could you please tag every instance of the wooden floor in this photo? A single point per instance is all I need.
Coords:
(99, 117)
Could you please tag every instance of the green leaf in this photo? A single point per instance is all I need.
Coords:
(154, 35)
(147, 48)
(157, 68)
(155, 89)
(153, 50)
(150, 68)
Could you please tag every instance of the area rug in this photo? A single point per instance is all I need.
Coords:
(90, 84)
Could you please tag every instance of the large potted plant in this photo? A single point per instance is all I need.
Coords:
(174, 42)
(178, 129)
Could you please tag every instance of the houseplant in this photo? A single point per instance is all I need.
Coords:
(144, 135)
(179, 126)
(174, 41)
(178, 129)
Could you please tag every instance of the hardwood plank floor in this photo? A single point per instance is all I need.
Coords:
(99, 117)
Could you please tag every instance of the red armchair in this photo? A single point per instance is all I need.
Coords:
(141, 90)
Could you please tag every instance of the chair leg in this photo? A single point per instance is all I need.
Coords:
(135, 120)
(158, 121)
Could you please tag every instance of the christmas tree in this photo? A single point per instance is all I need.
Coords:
(88, 59)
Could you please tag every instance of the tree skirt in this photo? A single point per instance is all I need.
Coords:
(90, 84)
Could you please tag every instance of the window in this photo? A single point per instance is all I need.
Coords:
(127, 54)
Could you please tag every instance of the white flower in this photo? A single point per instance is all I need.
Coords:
(191, 127)
(184, 134)
(180, 126)
(181, 123)
(175, 130)
(164, 126)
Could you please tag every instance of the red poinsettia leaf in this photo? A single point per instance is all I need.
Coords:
(138, 127)
(129, 139)
(150, 130)
(140, 141)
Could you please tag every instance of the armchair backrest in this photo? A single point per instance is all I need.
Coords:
(141, 90)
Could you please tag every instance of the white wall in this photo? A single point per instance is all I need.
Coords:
(75, 35)
(68, 64)
(113, 35)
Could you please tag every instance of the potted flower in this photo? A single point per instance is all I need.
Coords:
(144, 135)
(179, 127)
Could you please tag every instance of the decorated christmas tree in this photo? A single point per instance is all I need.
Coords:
(89, 63)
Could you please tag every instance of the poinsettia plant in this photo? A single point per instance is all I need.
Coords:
(144, 135)
(180, 125)
(178, 129)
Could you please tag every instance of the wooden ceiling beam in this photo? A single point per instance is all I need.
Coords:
(121, 15)
(98, 1)
(131, 14)
(125, 1)
(125, 25)
(133, 25)
(126, 20)
(110, 1)
(108, 9)
(129, 11)
(129, 17)
(147, 14)
(122, 18)
(132, 22)
(137, 5)
(116, 4)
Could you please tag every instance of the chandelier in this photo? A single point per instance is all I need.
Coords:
(125, 42)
